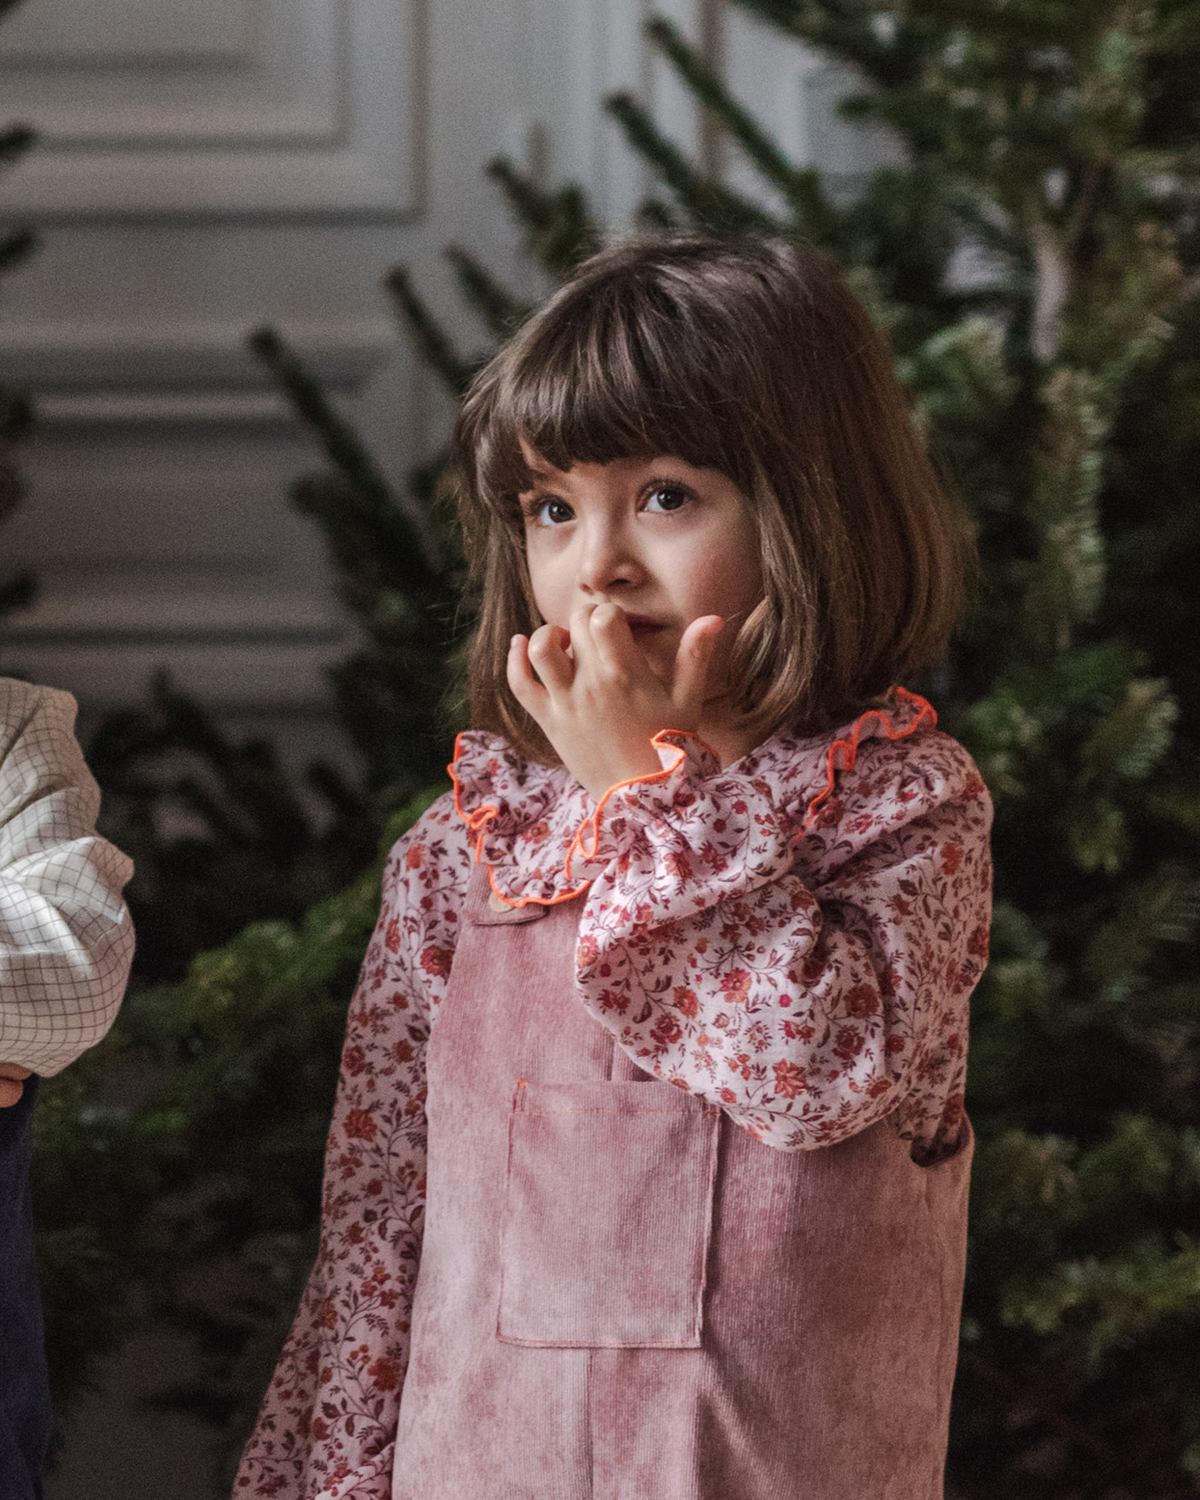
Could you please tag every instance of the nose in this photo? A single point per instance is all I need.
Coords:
(607, 560)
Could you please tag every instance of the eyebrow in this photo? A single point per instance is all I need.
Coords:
(537, 477)
(541, 476)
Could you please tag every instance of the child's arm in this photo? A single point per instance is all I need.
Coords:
(66, 941)
(328, 1421)
(808, 986)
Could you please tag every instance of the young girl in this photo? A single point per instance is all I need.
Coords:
(648, 1170)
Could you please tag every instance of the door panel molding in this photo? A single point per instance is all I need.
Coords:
(308, 108)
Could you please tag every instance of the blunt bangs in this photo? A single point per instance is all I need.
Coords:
(632, 369)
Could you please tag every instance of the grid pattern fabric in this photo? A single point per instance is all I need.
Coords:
(66, 939)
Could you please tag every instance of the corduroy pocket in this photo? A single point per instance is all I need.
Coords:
(607, 1218)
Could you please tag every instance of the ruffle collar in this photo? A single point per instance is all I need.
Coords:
(534, 826)
(523, 818)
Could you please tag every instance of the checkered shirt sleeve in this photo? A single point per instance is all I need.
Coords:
(66, 940)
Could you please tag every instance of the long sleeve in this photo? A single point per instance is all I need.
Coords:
(804, 965)
(328, 1423)
(66, 940)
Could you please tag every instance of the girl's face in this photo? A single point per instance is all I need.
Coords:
(662, 540)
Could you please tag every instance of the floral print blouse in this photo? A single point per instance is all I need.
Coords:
(795, 938)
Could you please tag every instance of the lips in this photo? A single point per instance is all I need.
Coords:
(641, 626)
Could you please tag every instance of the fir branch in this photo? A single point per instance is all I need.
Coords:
(335, 789)
(424, 481)
(1022, 1396)
(500, 310)
(1130, 741)
(336, 436)
(16, 416)
(16, 247)
(17, 593)
(656, 217)
(366, 494)
(15, 141)
(1032, 23)
(376, 546)
(712, 205)
(800, 186)
(977, 211)
(432, 342)
(1177, 34)
(559, 227)
(431, 491)
(1117, 1297)
(1067, 581)
(1163, 908)
(850, 32)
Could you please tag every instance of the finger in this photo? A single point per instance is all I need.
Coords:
(10, 1092)
(526, 689)
(16, 1071)
(612, 639)
(548, 654)
(582, 644)
(690, 682)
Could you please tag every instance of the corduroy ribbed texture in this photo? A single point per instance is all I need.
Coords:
(607, 1213)
(623, 1296)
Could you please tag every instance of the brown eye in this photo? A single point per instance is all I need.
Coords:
(667, 497)
(547, 512)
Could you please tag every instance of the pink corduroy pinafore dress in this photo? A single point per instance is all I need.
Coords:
(624, 1296)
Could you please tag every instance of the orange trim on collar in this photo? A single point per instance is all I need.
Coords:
(659, 742)
(926, 717)
(478, 820)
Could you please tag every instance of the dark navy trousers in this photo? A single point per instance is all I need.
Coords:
(24, 1388)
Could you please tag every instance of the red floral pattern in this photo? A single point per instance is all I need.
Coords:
(328, 1424)
(795, 938)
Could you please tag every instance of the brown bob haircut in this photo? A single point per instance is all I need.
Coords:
(756, 360)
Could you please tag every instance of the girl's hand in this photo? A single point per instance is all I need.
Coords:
(598, 701)
(12, 1083)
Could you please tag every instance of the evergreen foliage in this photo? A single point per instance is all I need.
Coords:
(1050, 146)
(219, 834)
(201, 1196)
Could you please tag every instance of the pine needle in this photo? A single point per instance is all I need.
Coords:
(500, 310)
(432, 342)
(712, 206)
(558, 225)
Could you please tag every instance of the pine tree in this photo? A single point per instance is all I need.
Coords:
(1062, 393)
(1061, 390)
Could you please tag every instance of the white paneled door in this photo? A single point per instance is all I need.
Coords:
(149, 107)
(200, 169)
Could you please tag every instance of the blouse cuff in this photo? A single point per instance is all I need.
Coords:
(659, 796)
